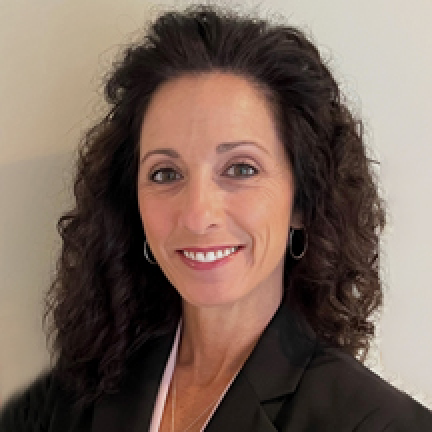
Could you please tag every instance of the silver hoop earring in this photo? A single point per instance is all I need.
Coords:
(146, 254)
(305, 242)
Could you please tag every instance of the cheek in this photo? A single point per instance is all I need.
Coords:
(265, 214)
(268, 203)
(154, 216)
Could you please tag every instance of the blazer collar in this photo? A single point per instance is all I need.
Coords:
(284, 349)
(272, 371)
(131, 408)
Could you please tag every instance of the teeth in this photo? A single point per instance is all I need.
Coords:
(211, 255)
(199, 256)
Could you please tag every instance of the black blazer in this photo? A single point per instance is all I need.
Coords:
(291, 383)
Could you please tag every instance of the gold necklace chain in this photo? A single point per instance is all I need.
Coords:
(173, 409)
(205, 410)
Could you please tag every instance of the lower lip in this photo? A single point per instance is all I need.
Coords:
(197, 265)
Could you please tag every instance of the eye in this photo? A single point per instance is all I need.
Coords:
(241, 170)
(164, 175)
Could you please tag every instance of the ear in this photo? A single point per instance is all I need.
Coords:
(296, 220)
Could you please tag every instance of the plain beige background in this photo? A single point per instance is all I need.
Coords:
(53, 54)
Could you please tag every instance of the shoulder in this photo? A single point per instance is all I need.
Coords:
(356, 396)
(43, 406)
(27, 409)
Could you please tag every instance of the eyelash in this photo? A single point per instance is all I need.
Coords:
(167, 169)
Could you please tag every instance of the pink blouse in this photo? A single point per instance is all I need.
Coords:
(165, 383)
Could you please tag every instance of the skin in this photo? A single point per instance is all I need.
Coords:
(207, 196)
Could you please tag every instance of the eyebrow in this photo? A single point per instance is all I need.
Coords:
(221, 148)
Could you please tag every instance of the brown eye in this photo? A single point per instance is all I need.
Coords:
(164, 175)
(241, 170)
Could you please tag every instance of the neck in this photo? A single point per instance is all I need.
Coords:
(216, 341)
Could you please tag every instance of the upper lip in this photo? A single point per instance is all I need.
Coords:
(208, 249)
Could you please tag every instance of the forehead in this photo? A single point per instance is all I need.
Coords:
(207, 109)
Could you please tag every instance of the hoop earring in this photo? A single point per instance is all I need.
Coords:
(146, 254)
(305, 242)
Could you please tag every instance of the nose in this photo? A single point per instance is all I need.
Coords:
(201, 207)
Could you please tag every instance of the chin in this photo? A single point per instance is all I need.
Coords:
(210, 299)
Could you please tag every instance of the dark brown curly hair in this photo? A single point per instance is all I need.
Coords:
(107, 300)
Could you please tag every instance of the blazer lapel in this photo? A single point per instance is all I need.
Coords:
(131, 408)
(272, 372)
(240, 410)
(281, 355)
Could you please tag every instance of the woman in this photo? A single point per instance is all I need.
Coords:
(220, 266)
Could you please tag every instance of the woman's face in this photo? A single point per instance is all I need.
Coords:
(214, 176)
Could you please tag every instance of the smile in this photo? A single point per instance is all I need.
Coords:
(210, 256)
